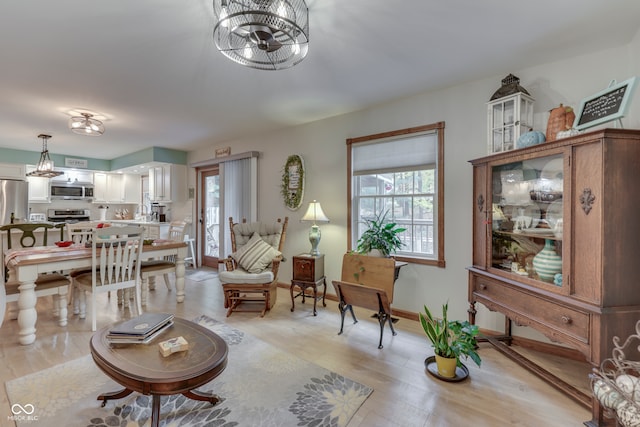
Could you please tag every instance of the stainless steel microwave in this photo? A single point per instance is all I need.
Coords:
(71, 191)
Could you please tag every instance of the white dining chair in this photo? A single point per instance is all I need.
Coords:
(166, 265)
(80, 234)
(55, 284)
(115, 257)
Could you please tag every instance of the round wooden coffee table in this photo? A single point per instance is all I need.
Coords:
(141, 367)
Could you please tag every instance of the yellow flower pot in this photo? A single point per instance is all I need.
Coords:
(446, 366)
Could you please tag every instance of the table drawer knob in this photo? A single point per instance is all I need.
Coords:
(483, 286)
(566, 319)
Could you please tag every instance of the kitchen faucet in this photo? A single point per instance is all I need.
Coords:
(144, 212)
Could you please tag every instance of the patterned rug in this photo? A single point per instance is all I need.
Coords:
(261, 386)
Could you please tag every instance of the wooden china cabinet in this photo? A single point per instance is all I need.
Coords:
(556, 244)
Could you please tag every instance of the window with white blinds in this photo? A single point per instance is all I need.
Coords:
(399, 175)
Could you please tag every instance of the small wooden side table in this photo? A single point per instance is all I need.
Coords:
(308, 272)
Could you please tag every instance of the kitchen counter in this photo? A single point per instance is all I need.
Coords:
(153, 229)
(135, 221)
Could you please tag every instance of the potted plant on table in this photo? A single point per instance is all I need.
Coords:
(451, 340)
(380, 235)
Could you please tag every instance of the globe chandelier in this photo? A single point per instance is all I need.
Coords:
(262, 34)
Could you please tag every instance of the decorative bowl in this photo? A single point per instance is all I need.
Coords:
(64, 244)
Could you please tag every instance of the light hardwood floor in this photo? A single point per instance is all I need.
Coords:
(500, 393)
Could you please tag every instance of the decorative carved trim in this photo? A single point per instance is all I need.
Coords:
(480, 202)
(586, 200)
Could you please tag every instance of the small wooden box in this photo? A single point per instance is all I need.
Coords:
(173, 345)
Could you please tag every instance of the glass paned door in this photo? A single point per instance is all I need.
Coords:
(210, 217)
(527, 218)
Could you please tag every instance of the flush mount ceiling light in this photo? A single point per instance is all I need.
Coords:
(85, 124)
(45, 165)
(262, 34)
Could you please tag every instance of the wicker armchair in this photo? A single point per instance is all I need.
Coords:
(251, 271)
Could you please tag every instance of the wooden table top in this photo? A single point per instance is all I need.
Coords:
(141, 367)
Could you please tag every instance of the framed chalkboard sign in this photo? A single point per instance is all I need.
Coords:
(605, 106)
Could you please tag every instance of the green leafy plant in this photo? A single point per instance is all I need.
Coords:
(450, 338)
(380, 234)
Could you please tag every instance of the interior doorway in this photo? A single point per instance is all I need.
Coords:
(210, 216)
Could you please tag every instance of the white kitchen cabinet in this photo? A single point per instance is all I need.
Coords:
(12, 171)
(116, 188)
(73, 175)
(168, 183)
(38, 189)
(99, 187)
(132, 188)
(160, 183)
(107, 188)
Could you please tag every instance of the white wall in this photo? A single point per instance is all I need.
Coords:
(463, 109)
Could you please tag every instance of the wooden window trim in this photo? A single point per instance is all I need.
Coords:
(439, 261)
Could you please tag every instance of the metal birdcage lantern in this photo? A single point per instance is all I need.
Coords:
(509, 115)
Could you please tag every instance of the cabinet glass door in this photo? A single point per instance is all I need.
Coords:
(527, 218)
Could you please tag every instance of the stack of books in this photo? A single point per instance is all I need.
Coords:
(140, 330)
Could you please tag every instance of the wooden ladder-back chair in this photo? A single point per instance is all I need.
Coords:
(167, 264)
(54, 284)
(115, 255)
(367, 282)
(251, 274)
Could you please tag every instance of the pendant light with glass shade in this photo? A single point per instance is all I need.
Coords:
(262, 34)
(86, 124)
(45, 164)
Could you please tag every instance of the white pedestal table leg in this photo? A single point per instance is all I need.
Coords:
(27, 315)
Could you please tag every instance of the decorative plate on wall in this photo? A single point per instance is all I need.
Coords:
(292, 188)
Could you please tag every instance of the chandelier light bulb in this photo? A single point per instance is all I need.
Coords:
(248, 52)
(282, 10)
(224, 22)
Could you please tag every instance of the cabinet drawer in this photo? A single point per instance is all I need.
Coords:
(524, 307)
(303, 269)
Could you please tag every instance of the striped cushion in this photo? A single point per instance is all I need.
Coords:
(256, 255)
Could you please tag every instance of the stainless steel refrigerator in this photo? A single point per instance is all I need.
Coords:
(14, 201)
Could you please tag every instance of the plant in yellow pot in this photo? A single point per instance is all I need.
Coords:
(451, 340)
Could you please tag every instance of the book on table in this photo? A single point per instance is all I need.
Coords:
(141, 329)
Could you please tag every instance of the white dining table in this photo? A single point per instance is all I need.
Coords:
(26, 263)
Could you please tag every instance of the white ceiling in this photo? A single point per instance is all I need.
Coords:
(150, 66)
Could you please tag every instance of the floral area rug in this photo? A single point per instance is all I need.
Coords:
(261, 386)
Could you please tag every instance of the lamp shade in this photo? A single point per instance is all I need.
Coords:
(314, 213)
